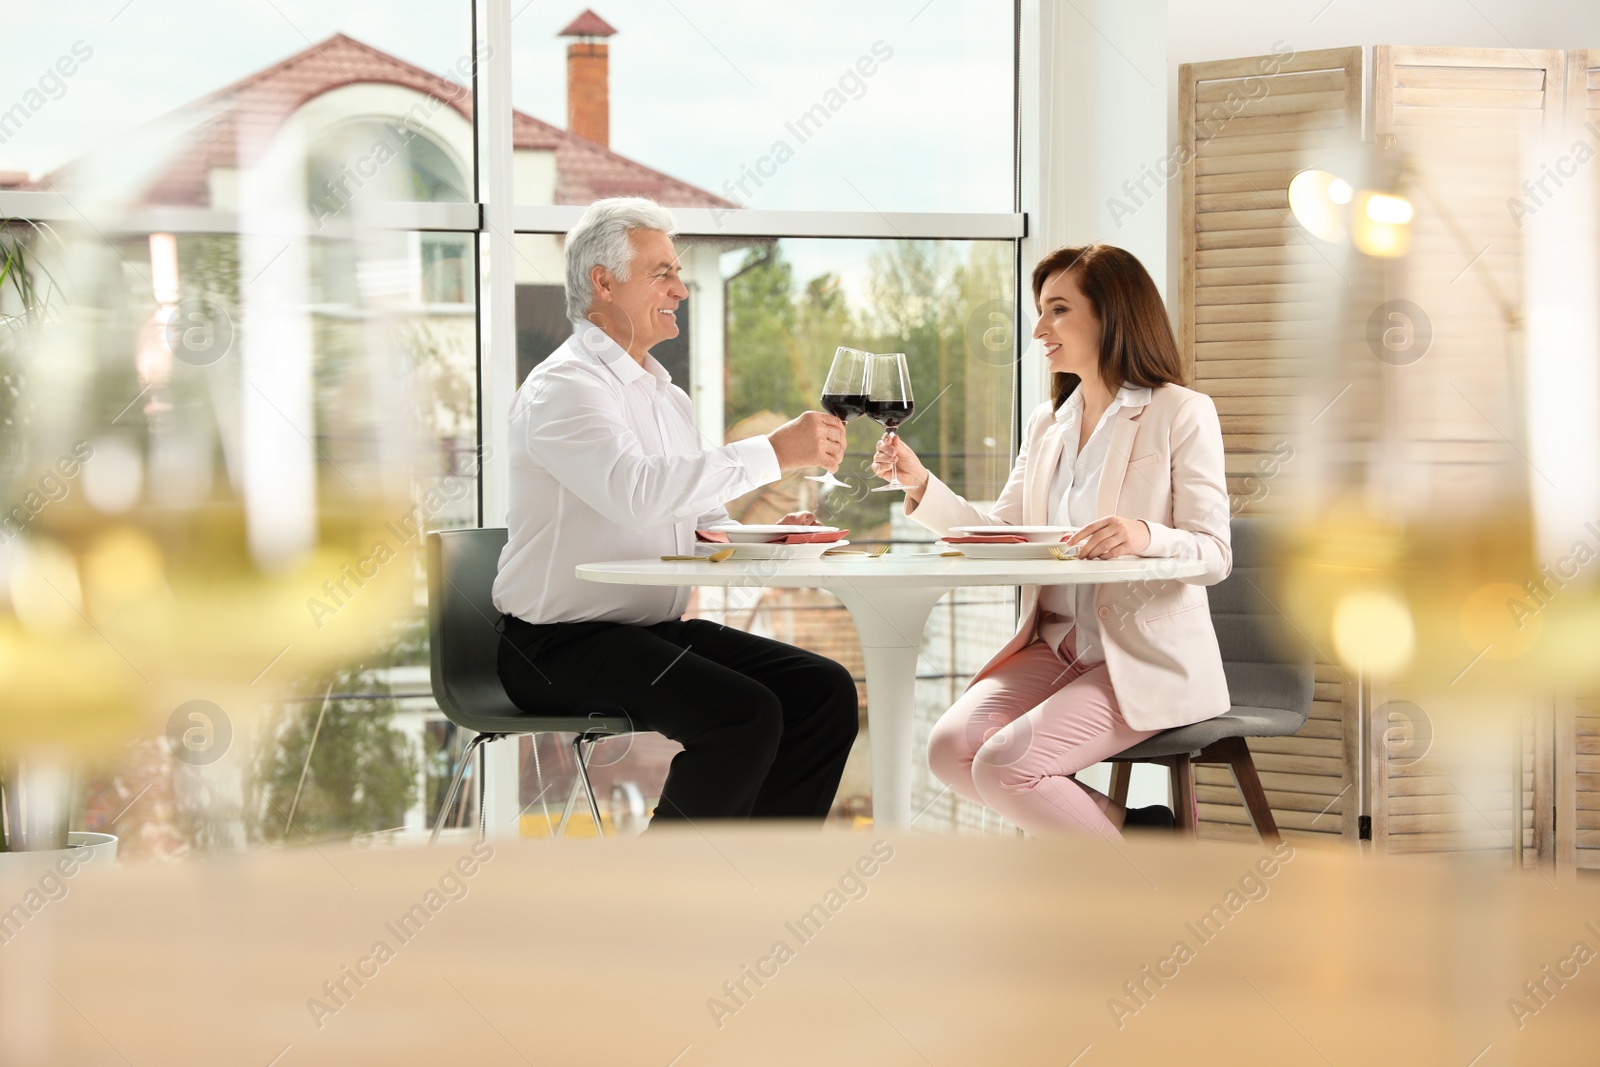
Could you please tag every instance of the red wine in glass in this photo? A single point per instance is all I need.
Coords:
(889, 401)
(844, 394)
(844, 406)
(889, 413)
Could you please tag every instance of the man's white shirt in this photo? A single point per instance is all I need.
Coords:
(606, 464)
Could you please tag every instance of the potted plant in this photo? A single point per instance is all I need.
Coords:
(35, 791)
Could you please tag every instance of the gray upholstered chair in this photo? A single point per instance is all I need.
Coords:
(464, 640)
(1270, 675)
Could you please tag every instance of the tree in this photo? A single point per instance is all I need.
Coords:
(761, 320)
(362, 774)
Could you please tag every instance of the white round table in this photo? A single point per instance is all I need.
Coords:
(889, 599)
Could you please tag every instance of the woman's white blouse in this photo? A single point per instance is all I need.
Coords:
(1073, 489)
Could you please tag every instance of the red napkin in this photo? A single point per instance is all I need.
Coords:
(987, 539)
(788, 539)
(810, 538)
(991, 539)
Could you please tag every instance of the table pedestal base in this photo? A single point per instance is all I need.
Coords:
(889, 624)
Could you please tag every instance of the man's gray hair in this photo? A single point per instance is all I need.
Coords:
(601, 239)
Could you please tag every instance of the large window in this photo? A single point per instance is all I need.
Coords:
(843, 175)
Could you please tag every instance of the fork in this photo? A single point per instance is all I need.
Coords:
(871, 553)
(1061, 553)
(716, 557)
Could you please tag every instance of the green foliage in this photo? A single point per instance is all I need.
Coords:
(26, 291)
(362, 776)
(760, 338)
(946, 305)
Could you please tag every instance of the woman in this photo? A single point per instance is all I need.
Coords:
(1126, 453)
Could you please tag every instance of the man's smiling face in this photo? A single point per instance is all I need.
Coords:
(641, 311)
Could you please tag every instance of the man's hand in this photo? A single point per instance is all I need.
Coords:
(815, 439)
(799, 518)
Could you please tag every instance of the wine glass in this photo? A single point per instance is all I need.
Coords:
(844, 394)
(218, 481)
(889, 401)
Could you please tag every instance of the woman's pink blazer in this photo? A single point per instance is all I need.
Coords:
(1165, 467)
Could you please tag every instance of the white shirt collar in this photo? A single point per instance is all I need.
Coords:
(1129, 396)
(591, 342)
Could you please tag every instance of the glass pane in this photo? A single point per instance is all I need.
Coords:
(180, 105)
(836, 105)
(757, 335)
(351, 749)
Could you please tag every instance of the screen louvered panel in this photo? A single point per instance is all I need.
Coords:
(1253, 300)
(1578, 753)
(1458, 121)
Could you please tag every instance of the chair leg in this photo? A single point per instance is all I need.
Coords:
(1121, 776)
(483, 791)
(478, 740)
(1184, 810)
(582, 745)
(1236, 754)
(570, 806)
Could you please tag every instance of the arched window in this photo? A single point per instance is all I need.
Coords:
(379, 158)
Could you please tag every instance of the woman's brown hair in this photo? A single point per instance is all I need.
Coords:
(1136, 342)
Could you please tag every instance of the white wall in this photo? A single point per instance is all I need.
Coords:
(1202, 30)
(1209, 29)
(1092, 107)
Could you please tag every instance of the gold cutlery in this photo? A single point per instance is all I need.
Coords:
(716, 557)
(871, 553)
(1061, 553)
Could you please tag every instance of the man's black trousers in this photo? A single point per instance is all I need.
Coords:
(765, 727)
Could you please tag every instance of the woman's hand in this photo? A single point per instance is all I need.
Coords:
(1111, 536)
(798, 518)
(893, 454)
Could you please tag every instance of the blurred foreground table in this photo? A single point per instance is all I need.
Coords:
(889, 600)
(799, 946)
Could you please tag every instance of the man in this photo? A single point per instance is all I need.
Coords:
(606, 464)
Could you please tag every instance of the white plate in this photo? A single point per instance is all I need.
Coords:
(760, 535)
(814, 551)
(1013, 551)
(1034, 534)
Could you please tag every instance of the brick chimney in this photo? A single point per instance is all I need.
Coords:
(588, 78)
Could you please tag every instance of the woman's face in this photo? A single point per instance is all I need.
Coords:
(1068, 327)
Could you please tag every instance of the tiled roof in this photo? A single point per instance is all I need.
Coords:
(246, 114)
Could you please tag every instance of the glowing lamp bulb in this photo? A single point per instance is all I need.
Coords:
(1394, 210)
(1315, 205)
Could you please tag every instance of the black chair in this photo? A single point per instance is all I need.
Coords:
(464, 641)
(1270, 679)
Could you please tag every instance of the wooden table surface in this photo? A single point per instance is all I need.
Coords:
(951, 951)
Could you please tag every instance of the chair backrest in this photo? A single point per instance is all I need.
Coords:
(1267, 661)
(462, 635)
